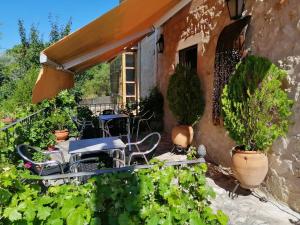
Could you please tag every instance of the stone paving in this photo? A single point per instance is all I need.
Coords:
(247, 208)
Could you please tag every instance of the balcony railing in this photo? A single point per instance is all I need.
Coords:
(100, 107)
(9, 131)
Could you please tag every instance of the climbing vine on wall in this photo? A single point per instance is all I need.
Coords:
(230, 49)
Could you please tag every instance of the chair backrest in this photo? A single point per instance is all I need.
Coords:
(26, 152)
(108, 112)
(151, 141)
(147, 117)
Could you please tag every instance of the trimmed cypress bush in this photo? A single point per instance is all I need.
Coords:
(185, 96)
(255, 106)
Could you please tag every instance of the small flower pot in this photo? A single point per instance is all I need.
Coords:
(182, 135)
(61, 135)
(250, 167)
(8, 120)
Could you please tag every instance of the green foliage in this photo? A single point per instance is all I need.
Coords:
(38, 134)
(95, 81)
(255, 107)
(60, 120)
(185, 95)
(21, 97)
(192, 153)
(161, 195)
(154, 103)
(84, 113)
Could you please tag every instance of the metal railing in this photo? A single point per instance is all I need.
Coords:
(9, 130)
(98, 108)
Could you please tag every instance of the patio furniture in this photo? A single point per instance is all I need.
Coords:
(144, 149)
(48, 167)
(81, 125)
(144, 120)
(106, 120)
(85, 165)
(108, 112)
(78, 148)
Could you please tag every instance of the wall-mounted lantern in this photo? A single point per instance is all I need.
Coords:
(235, 8)
(160, 44)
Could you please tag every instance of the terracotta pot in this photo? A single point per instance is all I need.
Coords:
(8, 120)
(250, 167)
(61, 135)
(182, 135)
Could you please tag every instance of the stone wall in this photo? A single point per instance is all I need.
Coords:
(274, 33)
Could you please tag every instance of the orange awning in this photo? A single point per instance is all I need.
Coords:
(101, 40)
(50, 82)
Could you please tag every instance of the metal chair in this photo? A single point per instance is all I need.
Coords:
(144, 148)
(48, 167)
(143, 120)
(81, 125)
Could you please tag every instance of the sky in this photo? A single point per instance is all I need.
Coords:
(37, 12)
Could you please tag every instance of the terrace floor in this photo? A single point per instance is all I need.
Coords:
(247, 209)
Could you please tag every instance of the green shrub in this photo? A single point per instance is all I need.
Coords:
(185, 95)
(161, 195)
(60, 120)
(255, 107)
(38, 134)
(154, 103)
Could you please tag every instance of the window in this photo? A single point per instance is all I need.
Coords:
(188, 56)
(130, 86)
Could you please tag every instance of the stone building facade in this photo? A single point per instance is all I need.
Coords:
(274, 32)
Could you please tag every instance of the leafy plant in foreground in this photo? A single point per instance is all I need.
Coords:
(161, 195)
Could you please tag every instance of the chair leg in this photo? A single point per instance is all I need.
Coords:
(148, 126)
(137, 132)
(146, 159)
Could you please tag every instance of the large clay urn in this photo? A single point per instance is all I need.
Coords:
(182, 135)
(61, 135)
(250, 167)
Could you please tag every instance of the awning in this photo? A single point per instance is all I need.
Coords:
(50, 82)
(99, 41)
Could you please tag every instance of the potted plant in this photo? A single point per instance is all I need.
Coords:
(186, 102)
(60, 122)
(8, 118)
(256, 111)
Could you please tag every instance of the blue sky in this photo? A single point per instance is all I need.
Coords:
(37, 12)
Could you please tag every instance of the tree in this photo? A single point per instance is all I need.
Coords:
(97, 81)
(57, 32)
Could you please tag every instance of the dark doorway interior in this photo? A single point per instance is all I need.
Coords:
(188, 56)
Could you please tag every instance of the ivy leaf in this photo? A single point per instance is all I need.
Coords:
(222, 218)
(95, 221)
(195, 219)
(43, 212)
(4, 196)
(55, 222)
(29, 214)
(76, 217)
(153, 220)
(12, 214)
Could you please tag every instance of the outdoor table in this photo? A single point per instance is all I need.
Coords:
(105, 118)
(95, 145)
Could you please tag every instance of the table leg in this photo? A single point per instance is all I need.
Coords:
(128, 134)
(103, 133)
